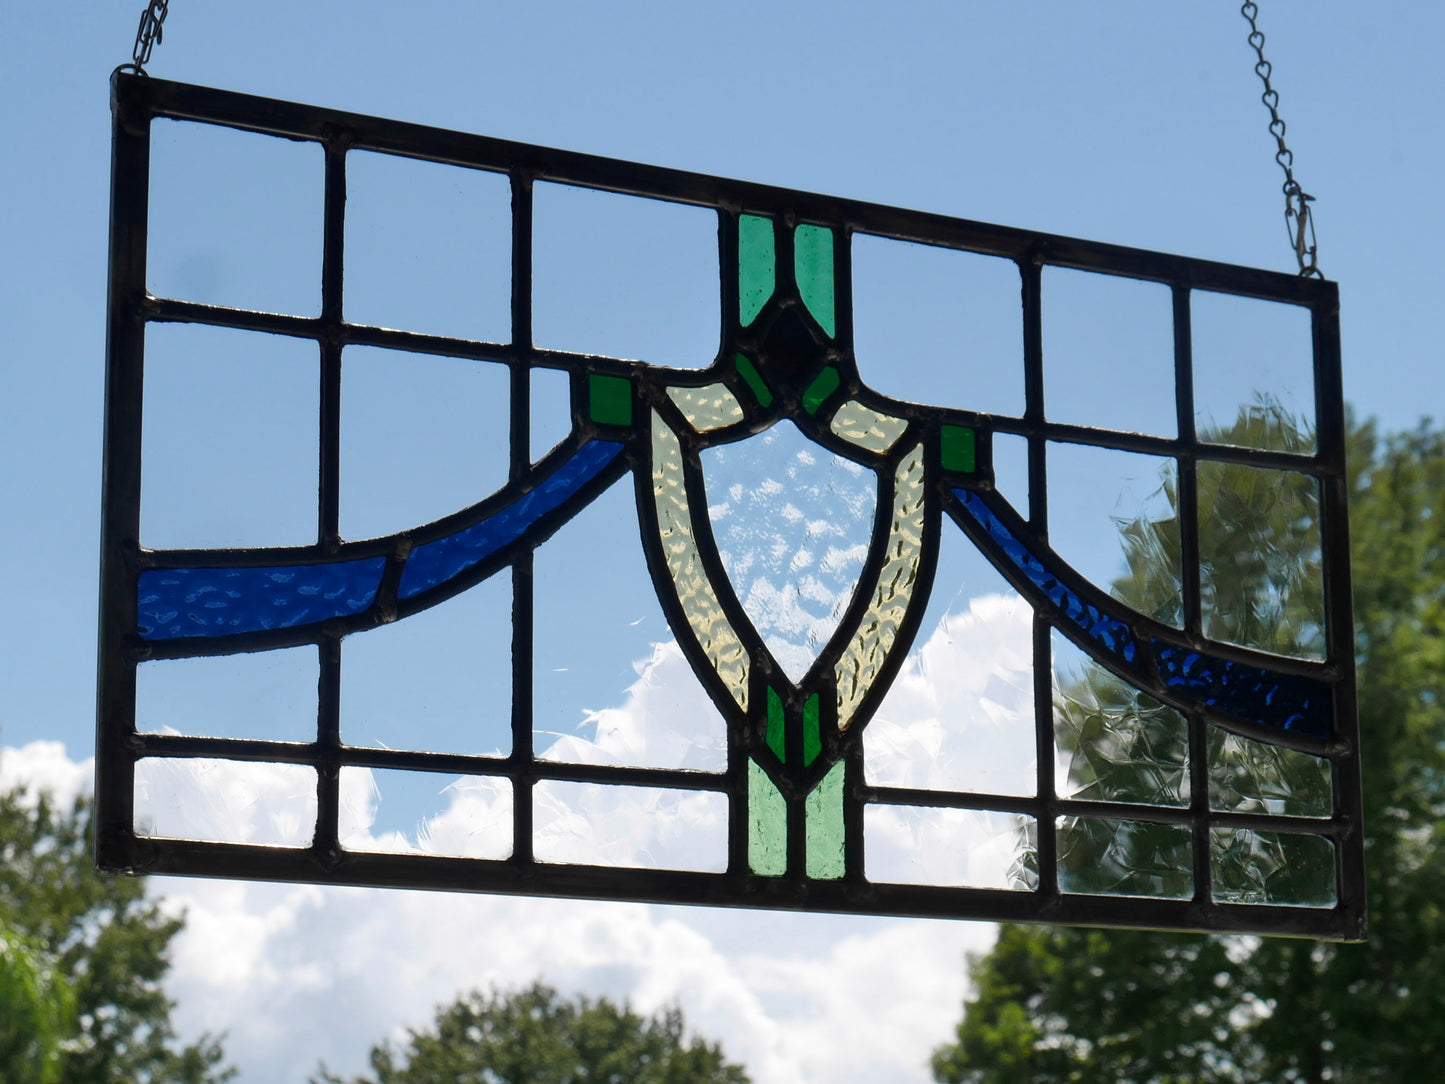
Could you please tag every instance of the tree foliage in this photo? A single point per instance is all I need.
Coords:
(94, 949)
(532, 1036)
(1056, 1004)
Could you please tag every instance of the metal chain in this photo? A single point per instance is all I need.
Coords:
(1298, 217)
(148, 35)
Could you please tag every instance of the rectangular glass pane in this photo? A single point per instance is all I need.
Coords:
(1272, 867)
(1109, 857)
(1247, 776)
(598, 824)
(398, 812)
(970, 848)
(225, 801)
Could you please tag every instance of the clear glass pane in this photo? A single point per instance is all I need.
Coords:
(397, 812)
(1113, 517)
(1011, 470)
(268, 695)
(421, 437)
(551, 410)
(1125, 858)
(1253, 372)
(428, 247)
(649, 827)
(439, 681)
(625, 276)
(1109, 352)
(230, 438)
(226, 801)
(960, 714)
(792, 523)
(611, 684)
(235, 218)
(1247, 776)
(970, 848)
(1259, 554)
(1114, 743)
(1272, 867)
(938, 326)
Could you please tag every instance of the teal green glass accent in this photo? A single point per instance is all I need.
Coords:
(823, 385)
(757, 266)
(609, 399)
(754, 380)
(813, 265)
(825, 826)
(812, 738)
(957, 448)
(776, 721)
(767, 825)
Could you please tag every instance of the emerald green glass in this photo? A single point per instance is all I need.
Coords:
(812, 736)
(767, 825)
(776, 723)
(825, 826)
(754, 380)
(609, 399)
(823, 385)
(757, 266)
(813, 266)
(956, 448)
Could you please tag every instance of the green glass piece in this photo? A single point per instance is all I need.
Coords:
(812, 736)
(754, 380)
(767, 825)
(956, 448)
(823, 385)
(813, 265)
(609, 399)
(757, 266)
(825, 826)
(775, 724)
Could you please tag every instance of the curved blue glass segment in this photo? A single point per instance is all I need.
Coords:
(434, 563)
(1108, 632)
(1286, 701)
(175, 603)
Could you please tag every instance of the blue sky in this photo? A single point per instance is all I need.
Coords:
(1135, 123)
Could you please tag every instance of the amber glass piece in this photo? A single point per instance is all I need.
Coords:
(757, 266)
(813, 265)
(956, 448)
(767, 825)
(707, 408)
(812, 733)
(609, 399)
(866, 427)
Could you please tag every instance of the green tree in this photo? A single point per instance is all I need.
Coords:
(103, 941)
(1057, 1004)
(37, 1012)
(532, 1036)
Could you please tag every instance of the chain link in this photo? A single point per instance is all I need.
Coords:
(148, 35)
(1298, 217)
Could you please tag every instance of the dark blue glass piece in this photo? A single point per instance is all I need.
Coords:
(436, 562)
(175, 603)
(1285, 701)
(1113, 635)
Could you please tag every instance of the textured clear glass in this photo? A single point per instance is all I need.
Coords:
(1272, 867)
(428, 247)
(397, 812)
(1103, 856)
(225, 801)
(598, 824)
(610, 684)
(792, 522)
(969, 848)
(767, 825)
(1113, 742)
(235, 218)
(408, 459)
(1247, 776)
(960, 714)
(866, 653)
(1108, 352)
(866, 427)
(824, 831)
(439, 681)
(1113, 517)
(1259, 555)
(938, 326)
(269, 695)
(813, 263)
(706, 620)
(1253, 372)
(707, 408)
